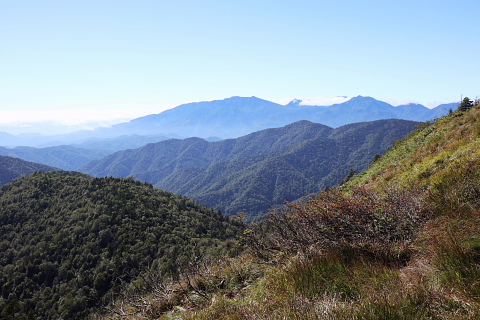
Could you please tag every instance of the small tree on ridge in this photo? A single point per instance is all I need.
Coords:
(466, 104)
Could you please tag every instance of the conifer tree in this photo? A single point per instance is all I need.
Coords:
(466, 104)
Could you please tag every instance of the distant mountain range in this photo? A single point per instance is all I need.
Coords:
(232, 118)
(64, 157)
(257, 171)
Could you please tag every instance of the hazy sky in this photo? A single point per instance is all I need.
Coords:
(130, 56)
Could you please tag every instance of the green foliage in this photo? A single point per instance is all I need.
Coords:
(68, 239)
(435, 154)
(12, 168)
(465, 105)
(313, 278)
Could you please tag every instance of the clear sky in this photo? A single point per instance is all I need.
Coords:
(129, 58)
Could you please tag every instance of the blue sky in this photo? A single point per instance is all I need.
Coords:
(60, 58)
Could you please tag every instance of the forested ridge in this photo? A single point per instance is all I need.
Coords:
(66, 239)
(258, 171)
(12, 168)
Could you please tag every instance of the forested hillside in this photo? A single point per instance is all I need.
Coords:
(399, 241)
(68, 239)
(258, 171)
(12, 168)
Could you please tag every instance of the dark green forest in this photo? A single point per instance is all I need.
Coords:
(69, 240)
(12, 168)
(258, 171)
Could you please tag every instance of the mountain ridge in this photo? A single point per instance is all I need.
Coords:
(12, 168)
(237, 116)
(256, 171)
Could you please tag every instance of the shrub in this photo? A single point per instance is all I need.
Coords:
(333, 220)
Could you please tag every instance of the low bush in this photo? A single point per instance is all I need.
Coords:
(373, 224)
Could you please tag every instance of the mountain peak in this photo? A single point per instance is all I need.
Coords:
(362, 98)
(239, 98)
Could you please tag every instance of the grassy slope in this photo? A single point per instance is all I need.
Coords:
(434, 274)
(427, 157)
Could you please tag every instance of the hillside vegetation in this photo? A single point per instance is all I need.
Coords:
(258, 171)
(400, 241)
(68, 239)
(12, 168)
